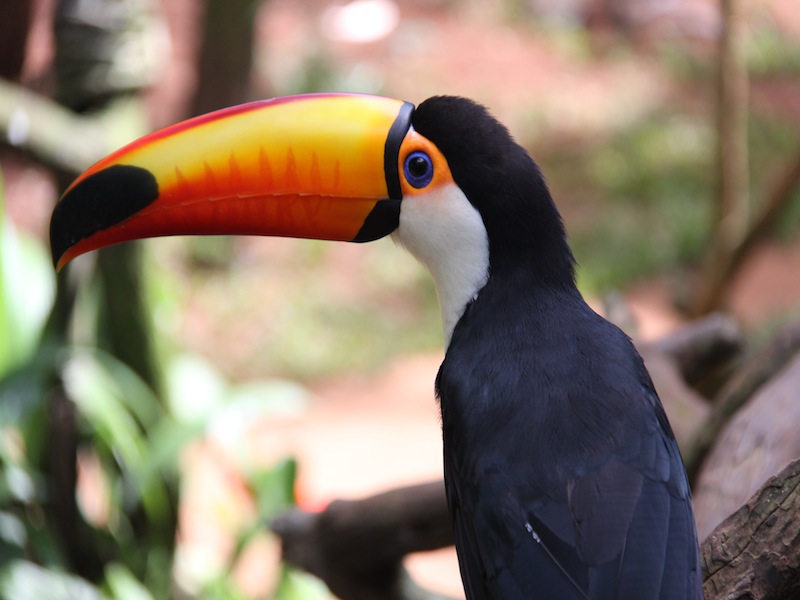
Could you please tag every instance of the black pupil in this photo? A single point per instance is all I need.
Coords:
(418, 166)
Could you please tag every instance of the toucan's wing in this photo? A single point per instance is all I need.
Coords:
(493, 569)
(633, 515)
(620, 531)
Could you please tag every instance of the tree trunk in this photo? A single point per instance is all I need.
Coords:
(755, 553)
(731, 202)
(15, 22)
(226, 54)
(89, 37)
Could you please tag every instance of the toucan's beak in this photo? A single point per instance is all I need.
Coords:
(315, 166)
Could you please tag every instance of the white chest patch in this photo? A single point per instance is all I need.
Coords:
(446, 234)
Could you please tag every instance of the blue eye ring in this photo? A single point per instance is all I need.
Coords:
(418, 169)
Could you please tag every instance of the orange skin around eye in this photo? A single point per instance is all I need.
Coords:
(414, 142)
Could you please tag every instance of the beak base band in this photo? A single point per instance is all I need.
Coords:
(394, 139)
(383, 219)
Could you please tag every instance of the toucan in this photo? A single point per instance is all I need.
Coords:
(562, 474)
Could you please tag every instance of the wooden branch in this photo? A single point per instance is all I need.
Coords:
(357, 546)
(60, 139)
(15, 23)
(776, 201)
(734, 238)
(755, 553)
(731, 202)
(702, 346)
(778, 198)
(732, 198)
(693, 357)
(738, 390)
(226, 54)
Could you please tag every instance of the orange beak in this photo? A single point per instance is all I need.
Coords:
(314, 166)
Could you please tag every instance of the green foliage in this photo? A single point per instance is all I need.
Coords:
(26, 293)
(771, 52)
(296, 585)
(274, 491)
(123, 584)
(773, 144)
(790, 223)
(123, 423)
(126, 440)
(23, 580)
(638, 201)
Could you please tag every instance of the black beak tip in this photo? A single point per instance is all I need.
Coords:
(101, 200)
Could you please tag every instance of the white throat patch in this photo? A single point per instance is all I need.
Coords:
(446, 234)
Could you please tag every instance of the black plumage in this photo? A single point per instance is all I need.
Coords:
(563, 476)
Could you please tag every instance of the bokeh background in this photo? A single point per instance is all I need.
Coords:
(160, 402)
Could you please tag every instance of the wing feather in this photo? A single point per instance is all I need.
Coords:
(617, 530)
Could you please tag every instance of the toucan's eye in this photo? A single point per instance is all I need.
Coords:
(418, 169)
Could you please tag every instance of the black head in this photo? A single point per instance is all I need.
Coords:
(504, 184)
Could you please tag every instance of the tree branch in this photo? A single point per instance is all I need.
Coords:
(695, 355)
(357, 546)
(57, 137)
(731, 202)
(737, 391)
(703, 346)
(755, 553)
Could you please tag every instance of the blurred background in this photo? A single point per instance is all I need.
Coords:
(160, 402)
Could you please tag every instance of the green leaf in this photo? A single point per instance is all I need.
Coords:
(27, 288)
(274, 489)
(274, 493)
(195, 389)
(24, 397)
(12, 530)
(297, 585)
(121, 411)
(22, 580)
(102, 401)
(123, 585)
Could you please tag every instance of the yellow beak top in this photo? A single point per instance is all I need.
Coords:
(315, 166)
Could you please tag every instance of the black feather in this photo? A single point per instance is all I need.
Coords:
(563, 476)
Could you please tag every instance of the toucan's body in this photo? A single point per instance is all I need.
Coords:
(563, 476)
(592, 489)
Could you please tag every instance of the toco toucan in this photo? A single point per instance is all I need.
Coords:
(563, 476)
